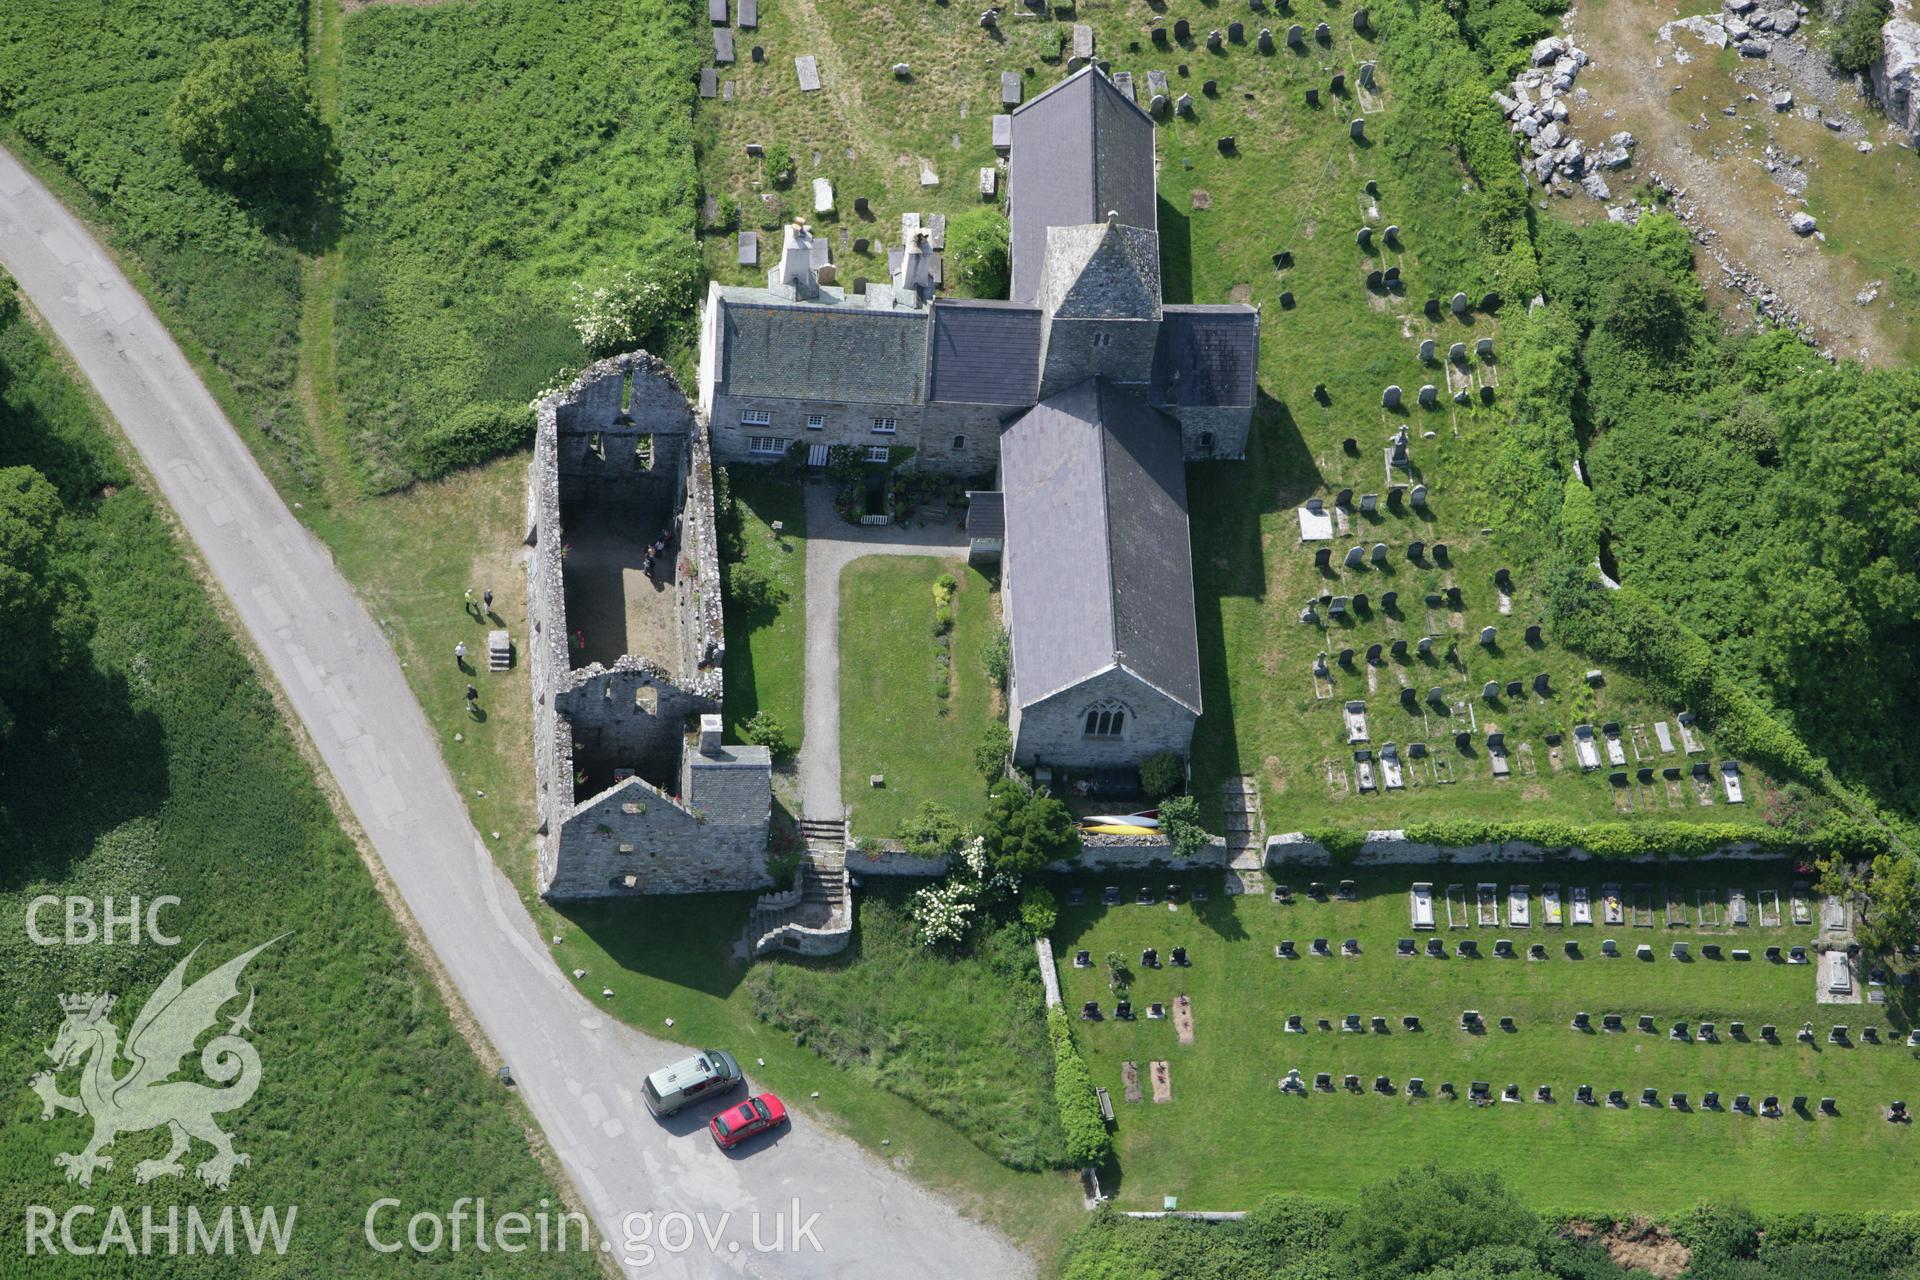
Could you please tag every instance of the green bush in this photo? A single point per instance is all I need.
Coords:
(244, 115)
(996, 654)
(1856, 41)
(779, 164)
(621, 310)
(1088, 1142)
(931, 831)
(752, 592)
(471, 435)
(977, 252)
(1180, 819)
(762, 729)
(990, 757)
(1162, 774)
(1039, 910)
(1024, 831)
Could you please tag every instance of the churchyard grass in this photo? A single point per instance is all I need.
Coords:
(1229, 1136)
(766, 654)
(161, 766)
(956, 1037)
(892, 720)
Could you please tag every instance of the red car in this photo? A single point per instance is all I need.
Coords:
(756, 1115)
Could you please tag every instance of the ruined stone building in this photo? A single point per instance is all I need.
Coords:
(1085, 390)
(636, 791)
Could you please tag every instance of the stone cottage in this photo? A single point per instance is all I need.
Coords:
(636, 792)
(897, 368)
(1085, 390)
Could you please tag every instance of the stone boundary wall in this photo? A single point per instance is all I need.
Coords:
(1049, 976)
(1384, 848)
(1134, 853)
(883, 861)
(703, 642)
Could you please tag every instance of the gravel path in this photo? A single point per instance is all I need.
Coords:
(577, 1069)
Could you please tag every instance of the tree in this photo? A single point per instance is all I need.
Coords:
(623, 310)
(1857, 40)
(1420, 1219)
(977, 252)
(43, 618)
(1025, 831)
(764, 730)
(244, 116)
(1889, 895)
(1162, 774)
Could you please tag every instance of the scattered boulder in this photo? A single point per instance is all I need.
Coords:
(1896, 75)
(1803, 224)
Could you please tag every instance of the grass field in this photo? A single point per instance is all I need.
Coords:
(158, 765)
(496, 153)
(766, 654)
(897, 1041)
(892, 721)
(1229, 1136)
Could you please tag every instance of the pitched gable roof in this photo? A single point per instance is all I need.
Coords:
(1102, 271)
(1206, 356)
(985, 353)
(822, 351)
(1098, 563)
(1080, 150)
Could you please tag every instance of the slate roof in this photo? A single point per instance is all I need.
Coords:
(986, 514)
(731, 788)
(834, 349)
(1080, 150)
(1098, 563)
(1206, 356)
(1102, 271)
(985, 353)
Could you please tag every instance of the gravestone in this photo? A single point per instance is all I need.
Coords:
(1356, 557)
(1210, 88)
(1082, 41)
(1157, 83)
(1392, 278)
(717, 12)
(1426, 350)
(1375, 280)
(1417, 496)
(1364, 238)
(1416, 549)
(1338, 85)
(1457, 353)
(1183, 105)
(1483, 347)
(1215, 40)
(1366, 75)
(1265, 43)
(1313, 97)
(1237, 32)
(1296, 36)
(1010, 88)
(749, 14)
(1360, 19)
(1323, 33)
(1369, 502)
(1429, 396)
(809, 72)
(1123, 81)
(1182, 30)
(1533, 633)
(1357, 131)
(723, 45)
(1379, 555)
(709, 82)
(1002, 133)
(1459, 304)
(1159, 35)
(1425, 645)
(1390, 398)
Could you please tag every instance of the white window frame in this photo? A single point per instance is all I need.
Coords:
(886, 426)
(816, 422)
(879, 453)
(766, 446)
(755, 418)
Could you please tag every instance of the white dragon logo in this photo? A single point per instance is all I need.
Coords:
(144, 1097)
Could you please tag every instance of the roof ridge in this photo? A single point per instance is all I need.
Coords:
(1106, 437)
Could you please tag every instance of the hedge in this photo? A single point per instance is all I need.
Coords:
(1621, 840)
(1088, 1142)
(472, 435)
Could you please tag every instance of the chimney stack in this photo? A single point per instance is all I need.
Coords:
(913, 282)
(794, 278)
(709, 735)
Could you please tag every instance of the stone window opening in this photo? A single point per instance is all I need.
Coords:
(959, 443)
(1102, 339)
(755, 417)
(1206, 442)
(766, 445)
(1106, 720)
(816, 421)
(886, 426)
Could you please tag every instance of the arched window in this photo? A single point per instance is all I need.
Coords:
(1106, 720)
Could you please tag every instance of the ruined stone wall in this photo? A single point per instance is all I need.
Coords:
(599, 707)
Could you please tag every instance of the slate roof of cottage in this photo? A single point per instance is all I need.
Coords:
(1206, 356)
(985, 353)
(1098, 564)
(730, 788)
(835, 348)
(986, 514)
(1080, 150)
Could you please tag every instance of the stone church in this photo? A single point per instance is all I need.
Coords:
(1084, 390)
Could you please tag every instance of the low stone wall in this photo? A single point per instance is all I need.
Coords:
(1384, 848)
(1134, 853)
(882, 861)
(1049, 976)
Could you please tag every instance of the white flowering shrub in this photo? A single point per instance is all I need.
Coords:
(942, 912)
(630, 309)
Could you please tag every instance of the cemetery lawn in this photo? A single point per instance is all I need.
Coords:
(1229, 1136)
(892, 721)
(1293, 181)
(766, 659)
(162, 766)
(960, 1037)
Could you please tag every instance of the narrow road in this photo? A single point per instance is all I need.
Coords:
(578, 1070)
(832, 545)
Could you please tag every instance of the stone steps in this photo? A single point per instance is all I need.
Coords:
(499, 651)
(822, 905)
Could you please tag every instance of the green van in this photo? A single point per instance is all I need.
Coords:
(706, 1074)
